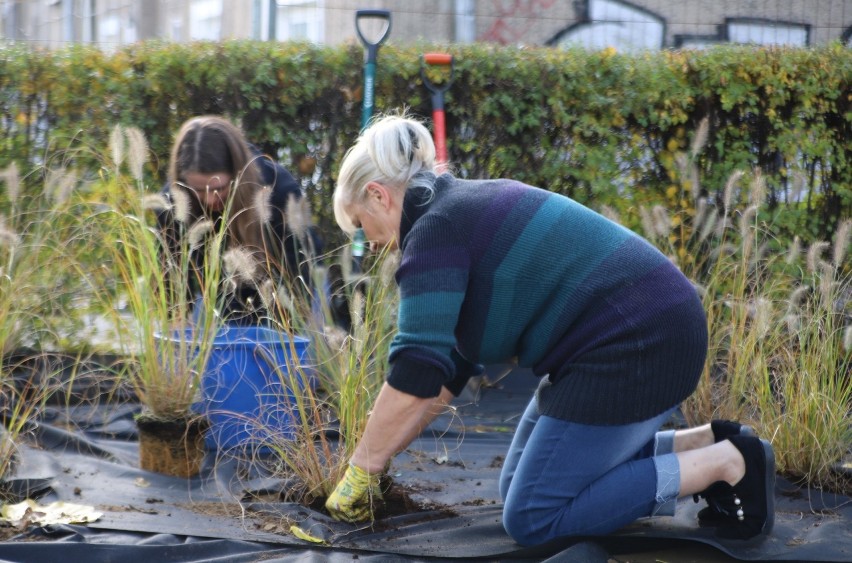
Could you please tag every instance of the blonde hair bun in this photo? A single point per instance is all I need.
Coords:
(392, 151)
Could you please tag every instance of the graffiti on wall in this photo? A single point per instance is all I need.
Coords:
(627, 27)
(512, 20)
(612, 23)
(753, 31)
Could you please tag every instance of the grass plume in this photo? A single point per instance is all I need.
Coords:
(137, 152)
(116, 145)
(841, 243)
(241, 265)
(11, 178)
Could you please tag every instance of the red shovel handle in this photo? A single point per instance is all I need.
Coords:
(437, 58)
(438, 115)
(440, 136)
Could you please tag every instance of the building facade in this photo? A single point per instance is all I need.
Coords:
(624, 25)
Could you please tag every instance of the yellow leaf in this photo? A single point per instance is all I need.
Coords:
(671, 192)
(303, 535)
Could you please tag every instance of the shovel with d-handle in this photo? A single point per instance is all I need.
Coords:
(439, 125)
(372, 50)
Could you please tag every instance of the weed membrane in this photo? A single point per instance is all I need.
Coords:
(442, 501)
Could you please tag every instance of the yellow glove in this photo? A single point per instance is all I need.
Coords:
(355, 495)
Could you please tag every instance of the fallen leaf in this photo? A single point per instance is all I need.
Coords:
(303, 535)
(58, 512)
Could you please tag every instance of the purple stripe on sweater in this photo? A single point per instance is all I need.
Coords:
(637, 311)
(435, 258)
(654, 293)
(504, 202)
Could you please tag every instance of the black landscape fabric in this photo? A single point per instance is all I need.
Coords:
(87, 454)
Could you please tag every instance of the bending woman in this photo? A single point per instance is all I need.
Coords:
(215, 174)
(492, 270)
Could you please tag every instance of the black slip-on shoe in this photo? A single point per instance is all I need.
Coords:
(754, 494)
(720, 500)
(724, 429)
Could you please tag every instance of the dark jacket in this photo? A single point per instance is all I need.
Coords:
(290, 257)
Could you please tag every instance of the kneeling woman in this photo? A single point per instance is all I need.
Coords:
(495, 269)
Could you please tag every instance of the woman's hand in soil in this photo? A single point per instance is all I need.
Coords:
(355, 495)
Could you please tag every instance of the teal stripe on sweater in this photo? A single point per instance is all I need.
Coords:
(560, 271)
(437, 314)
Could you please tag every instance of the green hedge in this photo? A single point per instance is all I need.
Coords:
(601, 127)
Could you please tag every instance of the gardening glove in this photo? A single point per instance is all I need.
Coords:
(354, 496)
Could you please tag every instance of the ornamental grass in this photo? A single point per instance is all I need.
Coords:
(166, 330)
(779, 318)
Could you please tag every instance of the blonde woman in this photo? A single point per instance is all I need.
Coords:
(492, 270)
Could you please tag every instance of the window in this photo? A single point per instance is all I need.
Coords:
(205, 19)
(298, 20)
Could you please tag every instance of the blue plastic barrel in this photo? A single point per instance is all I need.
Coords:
(247, 386)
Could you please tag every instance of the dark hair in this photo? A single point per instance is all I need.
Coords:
(204, 149)
(209, 144)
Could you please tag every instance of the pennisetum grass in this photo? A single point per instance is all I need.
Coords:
(777, 322)
(777, 361)
(348, 369)
(14, 410)
(38, 277)
(169, 332)
(807, 412)
(328, 397)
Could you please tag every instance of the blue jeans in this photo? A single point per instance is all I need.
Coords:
(567, 479)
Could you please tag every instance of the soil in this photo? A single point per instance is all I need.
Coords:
(7, 531)
(171, 447)
(398, 501)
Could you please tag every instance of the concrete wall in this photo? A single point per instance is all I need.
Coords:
(617, 23)
(623, 24)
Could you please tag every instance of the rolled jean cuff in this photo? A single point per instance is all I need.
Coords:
(664, 442)
(668, 484)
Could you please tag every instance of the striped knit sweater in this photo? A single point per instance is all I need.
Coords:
(495, 269)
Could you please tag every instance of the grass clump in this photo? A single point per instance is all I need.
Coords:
(779, 353)
(39, 281)
(168, 332)
(333, 392)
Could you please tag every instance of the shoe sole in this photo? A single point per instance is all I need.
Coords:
(769, 455)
